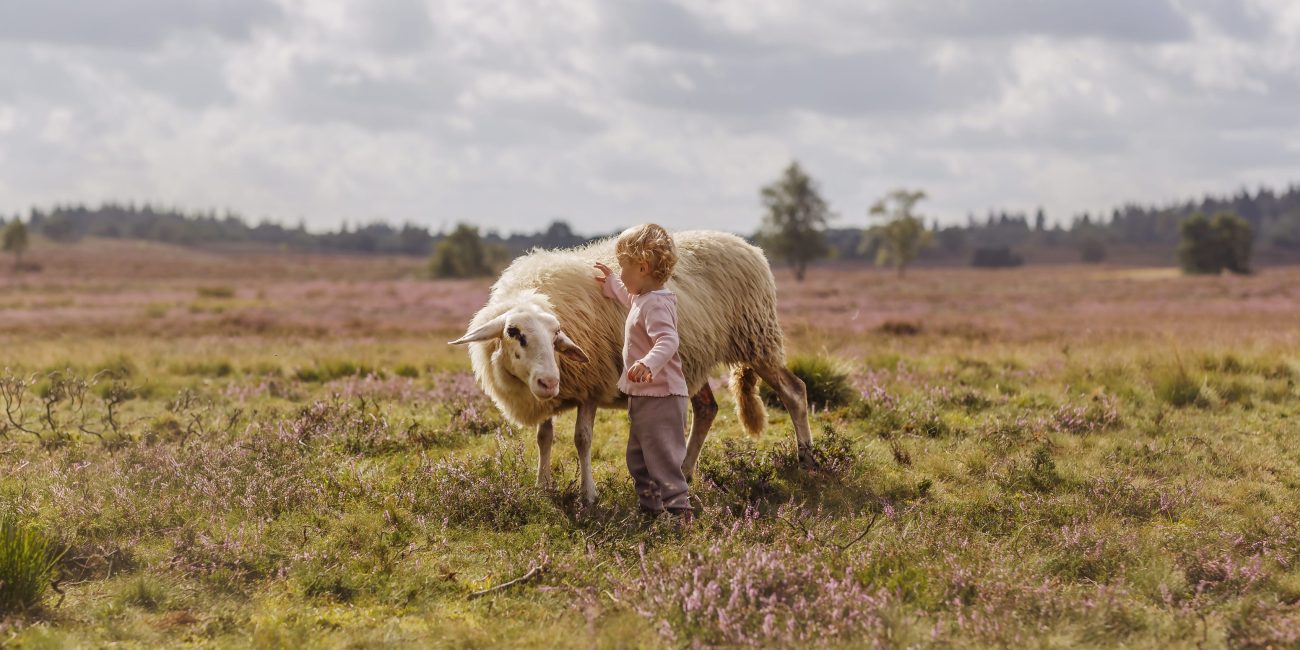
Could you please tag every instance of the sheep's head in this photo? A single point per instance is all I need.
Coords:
(529, 339)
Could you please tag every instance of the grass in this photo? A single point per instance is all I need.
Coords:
(1068, 483)
(28, 565)
(826, 383)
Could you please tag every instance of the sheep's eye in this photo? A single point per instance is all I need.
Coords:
(514, 333)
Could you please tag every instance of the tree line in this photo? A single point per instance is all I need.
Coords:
(1209, 236)
(798, 226)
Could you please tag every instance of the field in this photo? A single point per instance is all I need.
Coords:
(246, 449)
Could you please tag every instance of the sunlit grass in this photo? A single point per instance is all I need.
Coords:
(977, 487)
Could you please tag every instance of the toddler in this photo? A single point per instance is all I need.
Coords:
(654, 383)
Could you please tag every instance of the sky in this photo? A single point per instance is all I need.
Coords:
(611, 112)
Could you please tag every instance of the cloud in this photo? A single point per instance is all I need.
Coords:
(1142, 21)
(130, 24)
(608, 113)
(879, 81)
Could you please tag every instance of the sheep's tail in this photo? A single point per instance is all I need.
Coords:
(749, 407)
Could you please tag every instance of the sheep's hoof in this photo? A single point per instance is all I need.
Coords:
(806, 458)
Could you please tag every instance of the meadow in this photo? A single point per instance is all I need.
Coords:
(277, 450)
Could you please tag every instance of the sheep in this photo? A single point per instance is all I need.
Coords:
(548, 341)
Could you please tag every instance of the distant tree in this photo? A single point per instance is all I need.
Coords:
(995, 257)
(903, 234)
(1092, 250)
(1285, 232)
(15, 241)
(1213, 245)
(559, 235)
(414, 240)
(463, 254)
(58, 227)
(795, 222)
(952, 239)
(1040, 220)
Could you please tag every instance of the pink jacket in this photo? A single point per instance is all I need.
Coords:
(650, 337)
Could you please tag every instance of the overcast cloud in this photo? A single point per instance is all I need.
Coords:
(608, 113)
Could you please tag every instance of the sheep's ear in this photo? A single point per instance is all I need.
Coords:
(565, 345)
(489, 330)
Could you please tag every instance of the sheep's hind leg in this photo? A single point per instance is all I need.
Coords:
(794, 395)
(582, 434)
(705, 408)
(545, 436)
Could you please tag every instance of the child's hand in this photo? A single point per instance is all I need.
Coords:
(604, 272)
(639, 373)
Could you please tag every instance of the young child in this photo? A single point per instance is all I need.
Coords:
(654, 382)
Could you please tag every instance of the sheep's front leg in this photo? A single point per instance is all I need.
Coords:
(545, 436)
(582, 434)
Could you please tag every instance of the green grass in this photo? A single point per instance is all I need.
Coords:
(826, 382)
(28, 565)
(971, 497)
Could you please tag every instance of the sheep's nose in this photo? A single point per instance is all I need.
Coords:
(548, 383)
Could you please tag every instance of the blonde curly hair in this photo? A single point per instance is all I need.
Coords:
(651, 245)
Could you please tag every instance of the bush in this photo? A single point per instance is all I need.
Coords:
(220, 368)
(1211, 246)
(495, 492)
(331, 370)
(143, 593)
(899, 328)
(827, 385)
(770, 596)
(1177, 388)
(463, 254)
(216, 292)
(27, 565)
(995, 257)
(744, 472)
(1092, 251)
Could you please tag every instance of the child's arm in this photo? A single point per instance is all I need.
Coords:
(661, 325)
(612, 286)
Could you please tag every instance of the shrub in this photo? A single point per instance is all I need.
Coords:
(216, 292)
(143, 593)
(828, 386)
(1037, 473)
(204, 368)
(995, 257)
(742, 471)
(495, 492)
(1092, 251)
(1177, 388)
(28, 562)
(899, 328)
(1099, 414)
(1213, 245)
(463, 254)
(118, 367)
(765, 596)
(331, 370)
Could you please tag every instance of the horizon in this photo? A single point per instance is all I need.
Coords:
(1101, 216)
(402, 111)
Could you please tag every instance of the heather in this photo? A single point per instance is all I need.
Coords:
(283, 452)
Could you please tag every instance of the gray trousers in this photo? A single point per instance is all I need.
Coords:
(656, 447)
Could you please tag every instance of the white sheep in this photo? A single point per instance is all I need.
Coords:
(547, 302)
